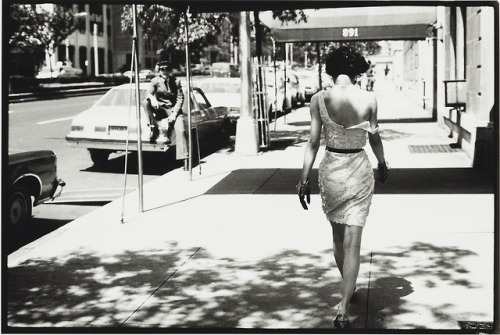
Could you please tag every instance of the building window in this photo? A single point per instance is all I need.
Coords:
(81, 25)
(95, 9)
(100, 28)
(82, 62)
(110, 61)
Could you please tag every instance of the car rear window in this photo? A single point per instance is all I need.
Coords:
(229, 87)
(121, 97)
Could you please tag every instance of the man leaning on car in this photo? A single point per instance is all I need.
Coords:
(164, 102)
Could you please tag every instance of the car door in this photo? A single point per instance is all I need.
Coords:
(200, 117)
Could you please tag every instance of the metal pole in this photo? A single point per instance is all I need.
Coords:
(96, 51)
(275, 82)
(188, 98)
(435, 76)
(138, 108)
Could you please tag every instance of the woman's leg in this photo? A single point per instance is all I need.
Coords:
(352, 248)
(338, 245)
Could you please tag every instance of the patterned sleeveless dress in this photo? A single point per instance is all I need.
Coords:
(346, 180)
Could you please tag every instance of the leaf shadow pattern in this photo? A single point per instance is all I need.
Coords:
(173, 287)
(435, 265)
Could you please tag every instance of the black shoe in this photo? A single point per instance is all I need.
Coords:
(155, 132)
(342, 322)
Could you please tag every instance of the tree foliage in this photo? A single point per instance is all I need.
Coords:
(209, 33)
(22, 27)
(33, 29)
(168, 26)
(368, 48)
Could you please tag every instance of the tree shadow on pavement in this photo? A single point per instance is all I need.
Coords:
(171, 287)
(154, 163)
(400, 181)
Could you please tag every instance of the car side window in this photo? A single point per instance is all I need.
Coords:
(200, 100)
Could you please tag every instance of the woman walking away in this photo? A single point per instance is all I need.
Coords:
(346, 180)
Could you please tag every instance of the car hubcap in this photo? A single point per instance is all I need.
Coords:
(17, 211)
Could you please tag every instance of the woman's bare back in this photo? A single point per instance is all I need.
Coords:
(348, 105)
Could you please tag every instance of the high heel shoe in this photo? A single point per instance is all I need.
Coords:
(342, 322)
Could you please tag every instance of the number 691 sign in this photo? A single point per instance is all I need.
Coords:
(350, 32)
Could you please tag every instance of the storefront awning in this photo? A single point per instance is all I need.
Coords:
(358, 23)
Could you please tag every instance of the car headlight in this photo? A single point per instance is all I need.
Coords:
(76, 128)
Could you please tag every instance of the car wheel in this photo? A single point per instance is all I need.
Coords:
(20, 209)
(99, 157)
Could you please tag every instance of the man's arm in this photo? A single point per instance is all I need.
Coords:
(151, 93)
(177, 109)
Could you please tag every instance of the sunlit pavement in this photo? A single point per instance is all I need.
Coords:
(233, 247)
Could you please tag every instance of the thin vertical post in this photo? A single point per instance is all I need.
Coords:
(434, 75)
(188, 97)
(138, 109)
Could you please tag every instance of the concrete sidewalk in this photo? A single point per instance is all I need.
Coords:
(233, 248)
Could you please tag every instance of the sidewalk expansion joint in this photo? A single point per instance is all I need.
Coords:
(159, 287)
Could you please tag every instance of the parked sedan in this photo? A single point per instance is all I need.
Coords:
(32, 181)
(282, 100)
(309, 79)
(105, 127)
(227, 92)
(223, 69)
(224, 92)
(146, 74)
(63, 71)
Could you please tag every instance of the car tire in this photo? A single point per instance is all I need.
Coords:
(20, 209)
(99, 157)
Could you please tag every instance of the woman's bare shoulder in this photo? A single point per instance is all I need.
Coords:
(364, 97)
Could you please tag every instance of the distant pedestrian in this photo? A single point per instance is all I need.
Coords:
(164, 101)
(346, 179)
(370, 74)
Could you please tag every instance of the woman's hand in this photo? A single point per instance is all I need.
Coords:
(304, 192)
(383, 171)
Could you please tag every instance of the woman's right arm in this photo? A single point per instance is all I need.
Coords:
(314, 140)
(376, 143)
(374, 138)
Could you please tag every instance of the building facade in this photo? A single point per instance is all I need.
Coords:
(466, 54)
(100, 29)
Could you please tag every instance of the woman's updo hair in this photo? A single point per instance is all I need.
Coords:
(345, 61)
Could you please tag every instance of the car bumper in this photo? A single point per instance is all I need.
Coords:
(58, 189)
(116, 145)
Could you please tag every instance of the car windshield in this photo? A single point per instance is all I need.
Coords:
(219, 87)
(120, 97)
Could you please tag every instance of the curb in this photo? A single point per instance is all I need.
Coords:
(58, 93)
